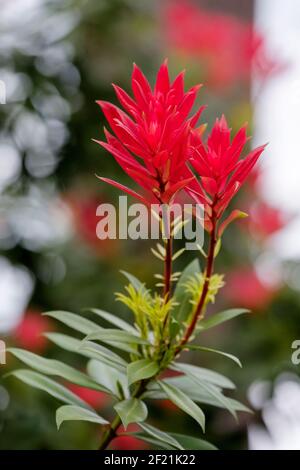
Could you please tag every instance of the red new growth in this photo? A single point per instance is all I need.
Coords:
(221, 172)
(152, 137)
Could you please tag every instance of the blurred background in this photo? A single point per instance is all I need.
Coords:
(56, 59)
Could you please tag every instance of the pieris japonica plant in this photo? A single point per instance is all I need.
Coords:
(164, 152)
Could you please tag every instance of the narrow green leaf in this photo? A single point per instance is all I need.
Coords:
(187, 386)
(114, 320)
(195, 347)
(178, 253)
(192, 443)
(131, 410)
(66, 342)
(137, 284)
(215, 392)
(149, 439)
(108, 377)
(87, 349)
(77, 413)
(174, 328)
(187, 442)
(53, 367)
(108, 335)
(76, 322)
(161, 436)
(131, 349)
(84, 326)
(184, 402)
(204, 374)
(238, 406)
(235, 214)
(102, 354)
(142, 369)
(193, 373)
(220, 317)
(56, 390)
(218, 247)
(183, 308)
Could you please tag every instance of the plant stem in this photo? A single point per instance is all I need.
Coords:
(112, 429)
(168, 269)
(167, 274)
(110, 433)
(201, 304)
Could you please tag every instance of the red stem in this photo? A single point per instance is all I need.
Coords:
(168, 269)
(201, 303)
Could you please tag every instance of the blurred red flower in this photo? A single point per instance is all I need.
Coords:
(265, 220)
(85, 220)
(243, 287)
(227, 46)
(156, 130)
(94, 398)
(29, 332)
(219, 167)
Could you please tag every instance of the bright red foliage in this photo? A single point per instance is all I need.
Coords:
(218, 165)
(152, 137)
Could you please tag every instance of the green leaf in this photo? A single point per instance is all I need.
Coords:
(137, 284)
(204, 374)
(220, 317)
(77, 413)
(235, 214)
(187, 386)
(183, 402)
(174, 328)
(86, 345)
(108, 377)
(195, 347)
(102, 354)
(151, 440)
(215, 392)
(86, 327)
(238, 406)
(192, 443)
(161, 436)
(131, 410)
(114, 320)
(183, 308)
(66, 342)
(139, 370)
(76, 322)
(218, 247)
(187, 442)
(87, 349)
(109, 335)
(194, 374)
(53, 367)
(56, 390)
